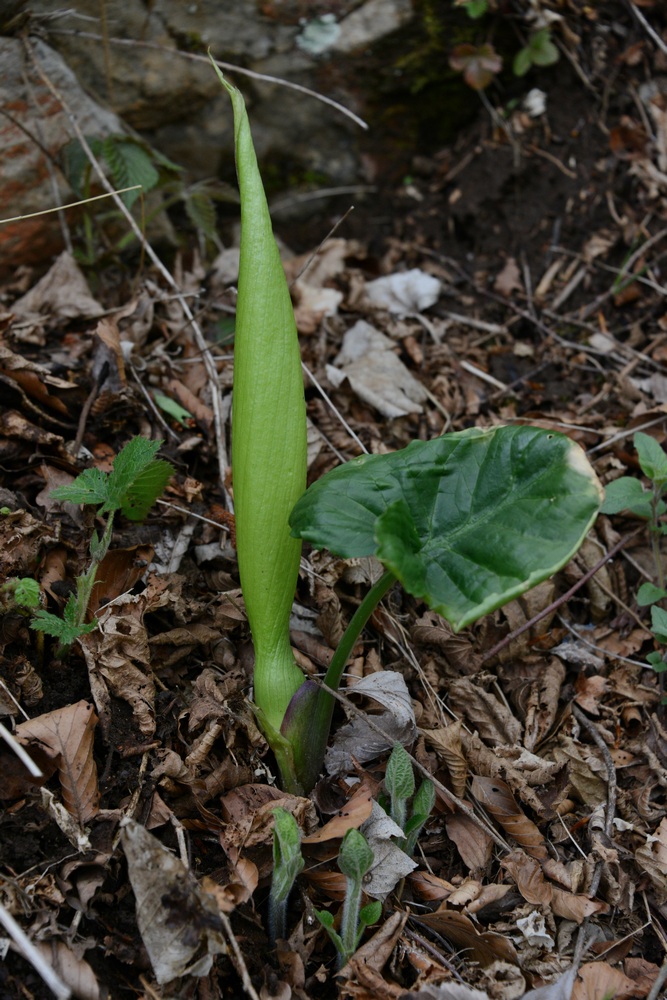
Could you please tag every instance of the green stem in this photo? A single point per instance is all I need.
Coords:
(655, 536)
(350, 919)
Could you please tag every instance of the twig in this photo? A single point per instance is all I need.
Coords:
(237, 958)
(660, 981)
(560, 600)
(390, 740)
(592, 729)
(655, 37)
(71, 204)
(200, 340)
(333, 408)
(26, 948)
(319, 249)
(24, 757)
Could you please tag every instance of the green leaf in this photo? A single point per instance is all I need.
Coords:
(24, 590)
(467, 522)
(399, 778)
(172, 408)
(652, 459)
(91, 486)
(355, 856)
(648, 593)
(145, 490)
(424, 800)
(543, 52)
(369, 915)
(626, 493)
(657, 662)
(130, 164)
(201, 212)
(64, 629)
(327, 921)
(522, 62)
(287, 859)
(476, 8)
(659, 624)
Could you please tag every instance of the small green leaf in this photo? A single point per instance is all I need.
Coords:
(424, 800)
(327, 921)
(652, 458)
(399, 778)
(369, 915)
(65, 631)
(476, 9)
(172, 408)
(145, 490)
(657, 662)
(467, 522)
(648, 593)
(130, 462)
(543, 52)
(355, 856)
(288, 862)
(91, 486)
(130, 164)
(24, 591)
(659, 624)
(522, 62)
(626, 493)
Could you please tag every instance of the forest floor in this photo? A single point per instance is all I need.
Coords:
(536, 246)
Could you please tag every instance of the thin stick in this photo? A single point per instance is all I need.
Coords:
(609, 766)
(26, 948)
(237, 958)
(24, 757)
(71, 204)
(135, 43)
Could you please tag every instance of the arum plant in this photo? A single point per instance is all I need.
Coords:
(466, 522)
(399, 781)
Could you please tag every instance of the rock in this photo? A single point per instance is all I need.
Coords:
(29, 146)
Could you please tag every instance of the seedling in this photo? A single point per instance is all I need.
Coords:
(627, 493)
(540, 51)
(399, 781)
(132, 487)
(19, 592)
(287, 865)
(466, 522)
(355, 858)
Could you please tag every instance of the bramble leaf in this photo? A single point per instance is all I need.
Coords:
(467, 522)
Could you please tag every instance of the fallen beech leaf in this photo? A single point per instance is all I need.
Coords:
(178, 922)
(430, 887)
(493, 720)
(575, 907)
(589, 691)
(390, 863)
(75, 972)
(447, 742)
(355, 812)
(599, 981)
(473, 844)
(496, 796)
(66, 736)
(529, 878)
(118, 572)
(376, 952)
(484, 947)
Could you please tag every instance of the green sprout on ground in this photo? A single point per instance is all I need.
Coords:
(288, 863)
(355, 859)
(628, 493)
(466, 522)
(399, 781)
(132, 487)
(19, 592)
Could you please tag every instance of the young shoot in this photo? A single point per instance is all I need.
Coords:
(355, 858)
(288, 863)
(399, 781)
(132, 487)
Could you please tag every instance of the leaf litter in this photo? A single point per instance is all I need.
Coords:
(542, 872)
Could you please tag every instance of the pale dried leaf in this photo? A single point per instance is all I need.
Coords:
(62, 293)
(599, 981)
(534, 930)
(575, 907)
(404, 292)
(178, 922)
(446, 991)
(355, 812)
(509, 279)
(74, 972)
(375, 373)
(527, 874)
(390, 863)
(496, 796)
(560, 990)
(66, 736)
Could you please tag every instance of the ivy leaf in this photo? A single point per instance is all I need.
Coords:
(467, 522)
(479, 64)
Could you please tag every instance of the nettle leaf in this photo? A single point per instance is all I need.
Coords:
(466, 522)
(478, 63)
(626, 493)
(89, 487)
(130, 164)
(652, 458)
(145, 489)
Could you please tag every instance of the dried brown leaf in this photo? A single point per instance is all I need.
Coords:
(575, 907)
(74, 971)
(509, 279)
(484, 947)
(355, 812)
(599, 981)
(529, 878)
(495, 795)
(493, 720)
(447, 742)
(66, 735)
(473, 844)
